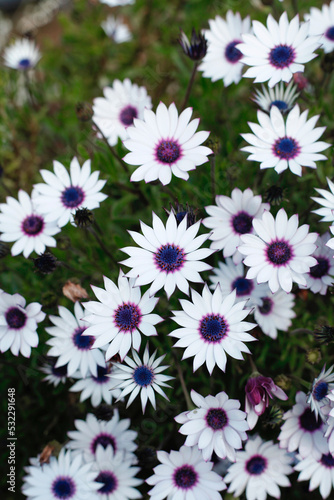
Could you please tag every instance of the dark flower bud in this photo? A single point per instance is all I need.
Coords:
(180, 212)
(46, 263)
(196, 48)
(273, 195)
(83, 217)
(84, 111)
(325, 335)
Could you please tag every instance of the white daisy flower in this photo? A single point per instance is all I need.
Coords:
(169, 256)
(231, 276)
(121, 104)
(141, 377)
(22, 55)
(92, 432)
(276, 52)
(232, 217)
(276, 311)
(320, 472)
(18, 324)
(54, 375)
(116, 3)
(321, 22)
(99, 388)
(281, 96)
(22, 223)
(212, 325)
(280, 252)
(120, 316)
(216, 425)
(164, 143)
(69, 344)
(65, 477)
(63, 193)
(327, 202)
(321, 386)
(280, 145)
(302, 430)
(260, 469)
(183, 475)
(115, 29)
(222, 60)
(116, 475)
(320, 276)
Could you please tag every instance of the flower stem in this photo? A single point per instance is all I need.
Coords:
(190, 405)
(112, 151)
(190, 84)
(102, 245)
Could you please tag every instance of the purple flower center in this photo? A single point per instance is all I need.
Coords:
(308, 421)
(127, 115)
(72, 197)
(320, 269)
(82, 342)
(169, 258)
(63, 487)
(320, 391)
(15, 318)
(213, 328)
(168, 151)
(233, 54)
(59, 372)
(25, 63)
(109, 482)
(143, 376)
(256, 465)
(243, 286)
(33, 225)
(216, 418)
(330, 33)
(242, 223)
(127, 317)
(286, 148)
(281, 105)
(185, 477)
(267, 305)
(327, 460)
(104, 440)
(279, 252)
(282, 56)
(102, 375)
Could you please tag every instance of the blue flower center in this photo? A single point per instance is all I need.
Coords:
(169, 258)
(320, 391)
(327, 460)
(168, 151)
(320, 269)
(102, 375)
(308, 421)
(281, 105)
(256, 465)
(127, 317)
(25, 63)
(279, 253)
(143, 376)
(213, 328)
(185, 477)
(127, 115)
(242, 223)
(282, 56)
(104, 440)
(59, 372)
(109, 482)
(72, 197)
(15, 318)
(233, 54)
(267, 305)
(216, 418)
(243, 286)
(82, 342)
(33, 225)
(330, 33)
(286, 148)
(63, 487)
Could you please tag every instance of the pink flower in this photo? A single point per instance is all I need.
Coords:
(258, 391)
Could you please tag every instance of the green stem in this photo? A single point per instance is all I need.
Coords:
(190, 84)
(190, 405)
(111, 149)
(102, 245)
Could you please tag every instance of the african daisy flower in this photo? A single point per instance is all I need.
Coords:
(164, 143)
(18, 324)
(222, 60)
(54, 375)
(321, 23)
(321, 276)
(276, 311)
(169, 256)
(327, 202)
(280, 252)
(21, 222)
(115, 29)
(183, 475)
(116, 111)
(120, 316)
(22, 55)
(212, 325)
(260, 469)
(116, 3)
(321, 386)
(276, 52)
(99, 388)
(280, 145)
(216, 425)
(320, 472)
(232, 217)
(280, 96)
(63, 193)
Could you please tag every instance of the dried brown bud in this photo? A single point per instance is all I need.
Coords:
(47, 451)
(74, 291)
